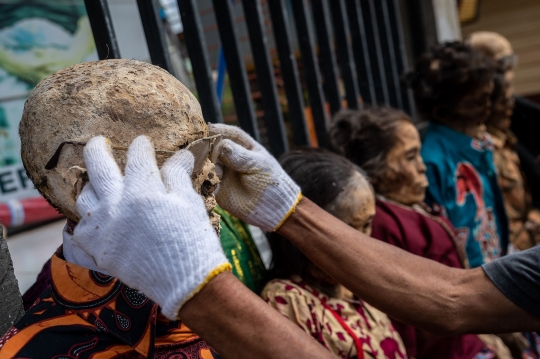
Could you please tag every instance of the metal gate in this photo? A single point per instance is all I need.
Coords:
(355, 55)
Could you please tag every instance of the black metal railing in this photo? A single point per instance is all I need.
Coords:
(350, 52)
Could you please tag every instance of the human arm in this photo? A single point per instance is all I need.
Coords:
(412, 289)
(239, 324)
(154, 221)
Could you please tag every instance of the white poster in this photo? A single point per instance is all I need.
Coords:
(37, 38)
(14, 184)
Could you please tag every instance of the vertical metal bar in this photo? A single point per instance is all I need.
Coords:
(102, 29)
(311, 71)
(196, 46)
(327, 56)
(360, 52)
(374, 51)
(423, 27)
(348, 69)
(265, 77)
(401, 55)
(155, 34)
(289, 72)
(235, 67)
(388, 54)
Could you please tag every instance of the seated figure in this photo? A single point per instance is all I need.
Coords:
(86, 313)
(298, 289)
(452, 85)
(385, 143)
(236, 241)
(524, 220)
(523, 122)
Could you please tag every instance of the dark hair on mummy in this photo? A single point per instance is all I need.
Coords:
(322, 176)
(445, 75)
(366, 137)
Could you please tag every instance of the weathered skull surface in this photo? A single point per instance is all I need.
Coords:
(118, 99)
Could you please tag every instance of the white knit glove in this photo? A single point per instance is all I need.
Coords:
(148, 228)
(253, 186)
(74, 254)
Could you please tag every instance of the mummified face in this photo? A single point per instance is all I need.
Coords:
(502, 109)
(473, 111)
(356, 204)
(405, 180)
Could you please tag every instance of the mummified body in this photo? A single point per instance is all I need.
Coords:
(118, 99)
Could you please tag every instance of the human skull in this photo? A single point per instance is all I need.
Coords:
(118, 99)
(490, 43)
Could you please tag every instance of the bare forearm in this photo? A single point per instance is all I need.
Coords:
(238, 324)
(409, 288)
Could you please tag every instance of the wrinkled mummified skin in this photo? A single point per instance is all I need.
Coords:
(405, 178)
(118, 99)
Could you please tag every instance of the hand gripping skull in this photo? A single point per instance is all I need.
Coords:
(118, 99)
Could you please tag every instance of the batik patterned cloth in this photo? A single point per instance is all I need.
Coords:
(302, 304)
(87, 314)
(463, 181)
(241, 251)
(236, 241)
(523, 219)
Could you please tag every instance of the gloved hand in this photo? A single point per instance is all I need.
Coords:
(253, 185)
(148, 228)
(74, 254)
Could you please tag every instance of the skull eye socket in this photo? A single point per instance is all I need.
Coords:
(53, 162)
(209, 141)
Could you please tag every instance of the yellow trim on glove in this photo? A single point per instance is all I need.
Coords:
(291, 211)
(218, 270)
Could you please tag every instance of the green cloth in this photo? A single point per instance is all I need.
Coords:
(241, 251)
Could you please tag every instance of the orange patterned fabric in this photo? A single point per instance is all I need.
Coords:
(86, 314)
